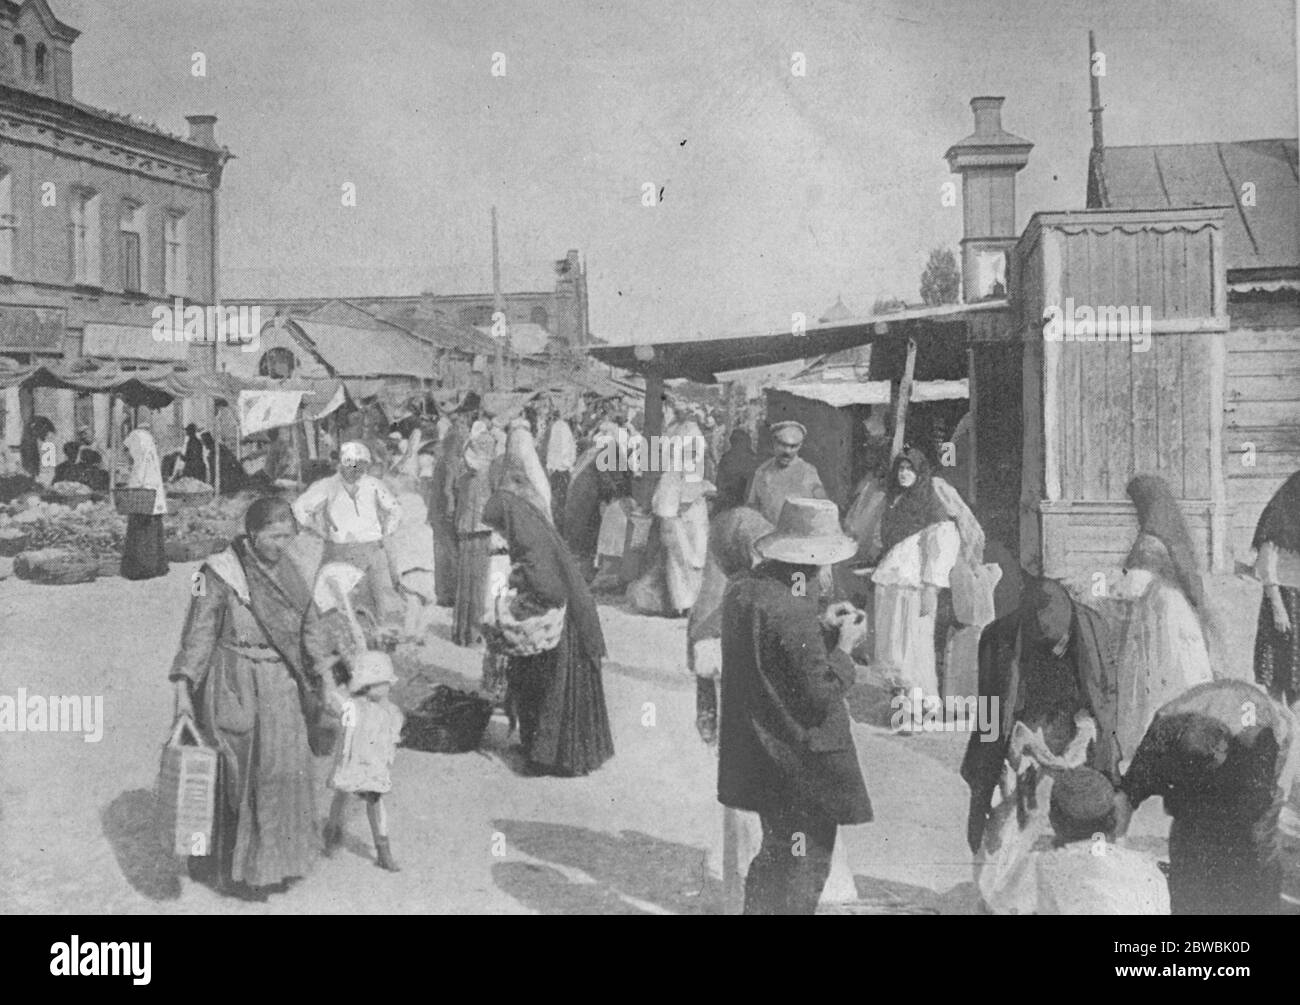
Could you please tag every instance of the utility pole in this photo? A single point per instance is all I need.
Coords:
(1094, 85)
(498, 306)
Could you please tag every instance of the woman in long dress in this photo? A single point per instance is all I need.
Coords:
(920, 546)
(1163, 651)
(473, 540)
(143, 553)
(250, 657)
(1277, 636)
(557, 695)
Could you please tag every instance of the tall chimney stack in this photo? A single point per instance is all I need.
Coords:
(201, 130)
(987, 161)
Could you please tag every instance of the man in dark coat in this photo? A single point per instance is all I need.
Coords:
(785, 747)
(1041, 664)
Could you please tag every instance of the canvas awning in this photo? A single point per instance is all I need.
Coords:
(703, 359)
(839, 393)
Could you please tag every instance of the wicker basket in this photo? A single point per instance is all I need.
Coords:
(135, 502)
(187, 791)
(509, 635)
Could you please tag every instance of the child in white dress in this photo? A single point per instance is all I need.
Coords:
(372, 726)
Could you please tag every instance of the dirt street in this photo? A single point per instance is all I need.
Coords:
(642, 835)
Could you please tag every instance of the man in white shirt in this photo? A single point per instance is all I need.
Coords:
(354, 512)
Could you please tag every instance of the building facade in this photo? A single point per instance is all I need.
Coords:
(103, 218)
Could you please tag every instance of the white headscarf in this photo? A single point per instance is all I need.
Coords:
(522, 471)
(146, 470)
(354, 451)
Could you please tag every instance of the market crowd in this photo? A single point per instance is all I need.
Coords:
(790, 600)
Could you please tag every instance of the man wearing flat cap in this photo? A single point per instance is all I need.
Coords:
(786, 475)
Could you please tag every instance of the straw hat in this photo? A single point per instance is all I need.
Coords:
(371, 668)
(808, 533)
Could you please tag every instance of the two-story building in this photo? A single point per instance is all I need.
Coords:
(103, 217)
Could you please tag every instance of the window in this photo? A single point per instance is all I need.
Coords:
(132, 246)
(40, 62)
(20, 44)
(539, 316)
(174, 265)
(85, 238)
(277, 363)
(8, 224)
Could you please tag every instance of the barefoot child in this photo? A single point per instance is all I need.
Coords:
(372, 726)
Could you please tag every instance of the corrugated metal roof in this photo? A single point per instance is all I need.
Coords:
(1263, 236)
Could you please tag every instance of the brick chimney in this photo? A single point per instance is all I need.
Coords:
(987, 161)
(201, 130)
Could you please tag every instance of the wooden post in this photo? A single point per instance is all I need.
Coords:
(113, 434)
(654, 426)
(904, 398)
(216, 450)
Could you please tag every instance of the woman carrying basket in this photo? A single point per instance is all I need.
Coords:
(557, 694)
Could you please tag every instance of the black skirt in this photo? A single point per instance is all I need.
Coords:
(560, 701)
(143, 555)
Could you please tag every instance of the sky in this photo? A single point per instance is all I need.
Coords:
(780, 192)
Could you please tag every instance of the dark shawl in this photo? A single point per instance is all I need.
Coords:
(910, 510)
(195, 464)
(1280, 521)
(1022, 679)
(543, 570)
(1160, 516)
(735, 469)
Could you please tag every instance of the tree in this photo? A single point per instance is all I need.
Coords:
(887, 305)
(941, 280)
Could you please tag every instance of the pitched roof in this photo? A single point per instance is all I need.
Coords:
(1265, 235)
(366, 352)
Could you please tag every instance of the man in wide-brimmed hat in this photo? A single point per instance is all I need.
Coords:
(786, 751)
(785, 475)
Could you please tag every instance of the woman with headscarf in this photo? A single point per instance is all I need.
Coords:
(920, 545)
(557, 695)
(681, 511)
(252, 654)
(143, 553)
(441, 505)
(473, 540)
(195, 465)
(735, 469)
(593, 486)
(1163, 649)
(1277, 564)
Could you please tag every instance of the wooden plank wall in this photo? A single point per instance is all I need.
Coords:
(1126, 413)
(1261, 408)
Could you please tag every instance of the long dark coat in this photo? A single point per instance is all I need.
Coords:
(1023, 689)
(784, 738)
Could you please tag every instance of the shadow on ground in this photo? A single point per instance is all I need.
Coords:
(630, 873)
(130, 825)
